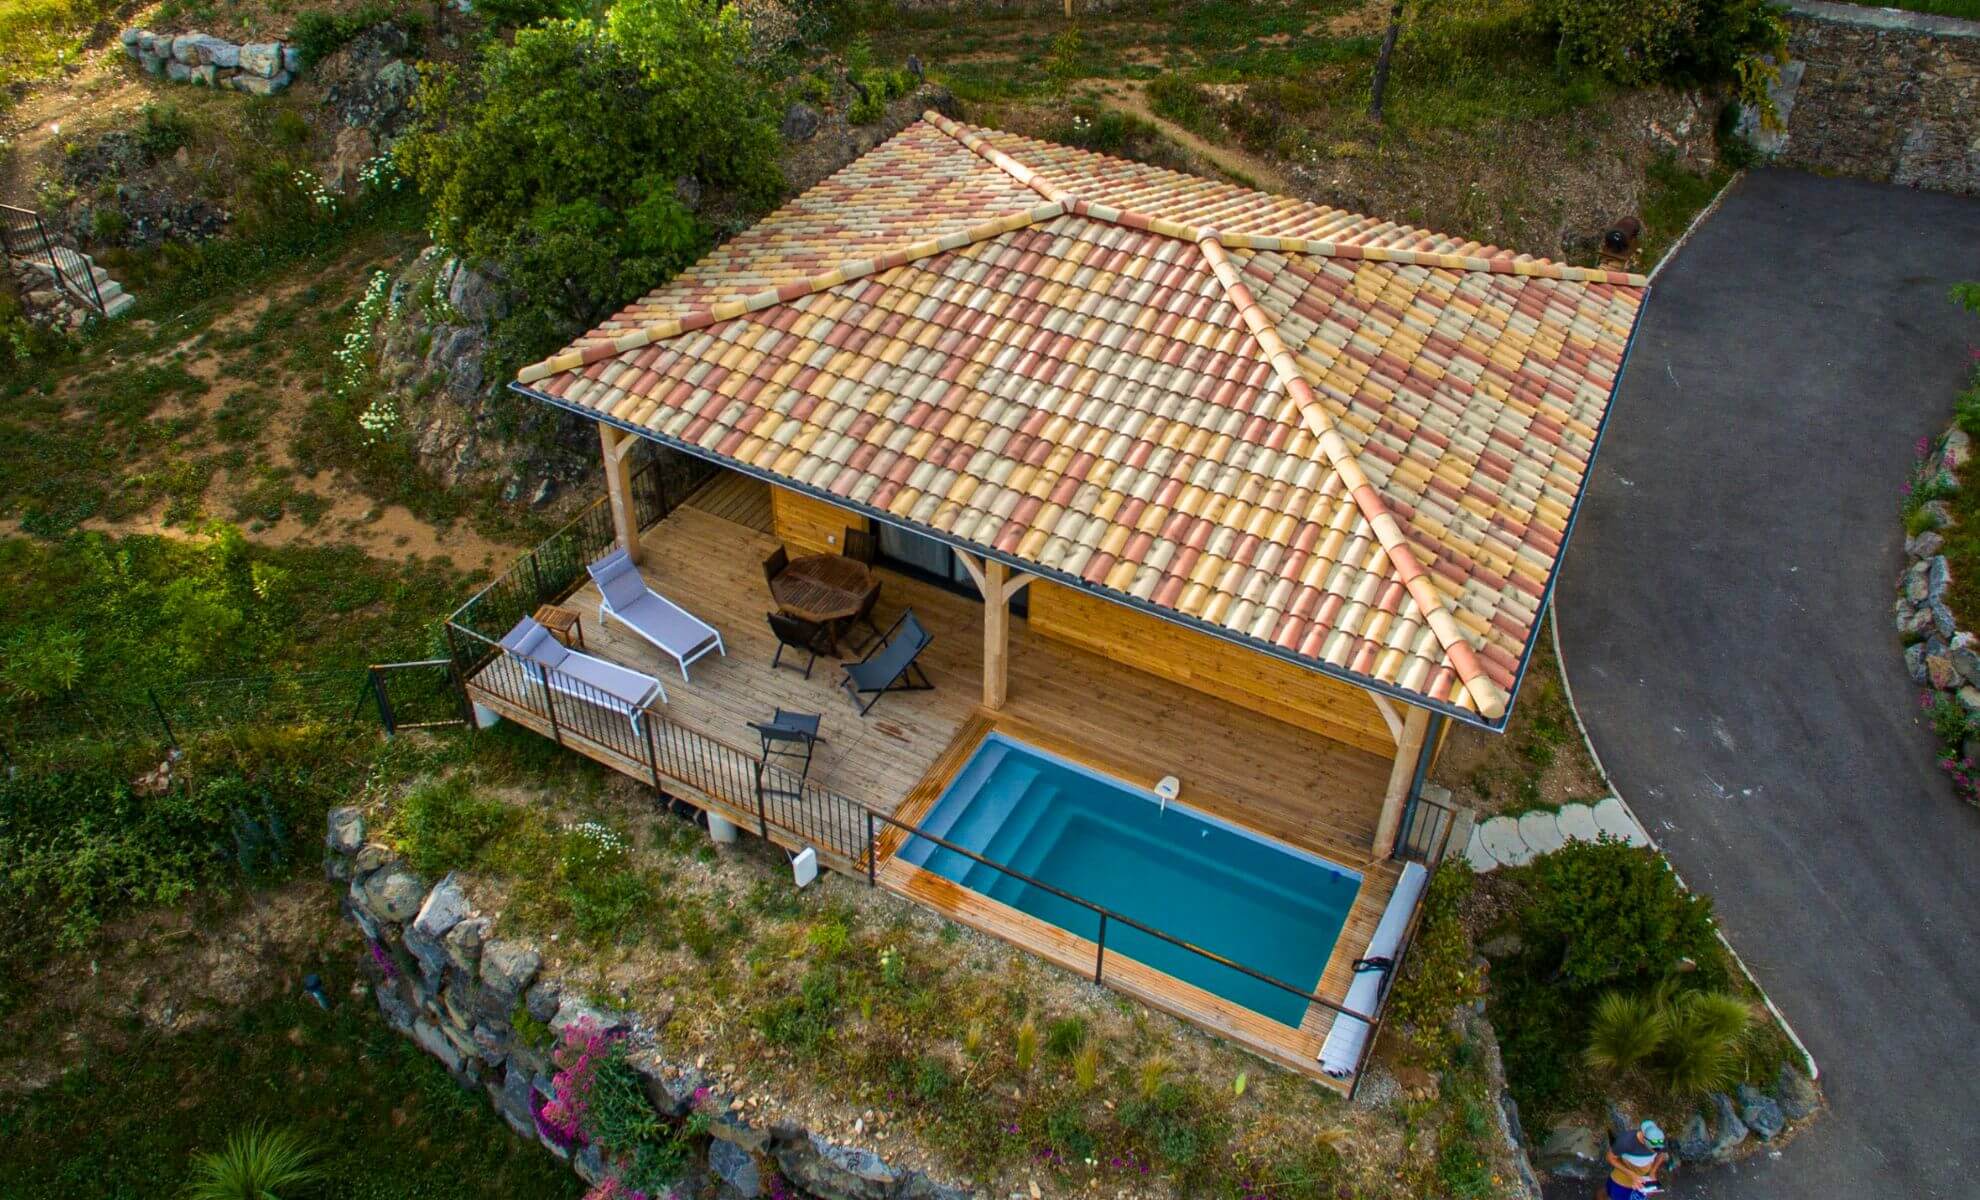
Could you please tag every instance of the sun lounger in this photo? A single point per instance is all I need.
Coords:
(625, 598)
(582, 676)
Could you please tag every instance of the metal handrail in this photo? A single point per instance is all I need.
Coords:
(1107, 914)
(18, 221)
(874, 820)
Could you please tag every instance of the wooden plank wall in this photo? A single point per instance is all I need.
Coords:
(809, 526)
(1243, 677)
(1263, 684)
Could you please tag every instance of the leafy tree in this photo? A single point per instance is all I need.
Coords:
(1642, 41)
(1611, 914)
(558, 159)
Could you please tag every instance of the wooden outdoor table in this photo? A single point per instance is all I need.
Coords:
(826, 588)
(564, 624)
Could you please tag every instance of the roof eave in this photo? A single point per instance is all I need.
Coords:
(1065, 579)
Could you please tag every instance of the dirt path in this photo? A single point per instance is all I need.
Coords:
(1129, 97)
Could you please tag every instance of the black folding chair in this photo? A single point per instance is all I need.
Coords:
(890, 666)
(795, 633)
(787, 740)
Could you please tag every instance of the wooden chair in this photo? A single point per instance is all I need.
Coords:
(795, 633)
(860, 545)
(864, 617)
(775, 564)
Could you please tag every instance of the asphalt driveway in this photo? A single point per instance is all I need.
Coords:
(1725, 614)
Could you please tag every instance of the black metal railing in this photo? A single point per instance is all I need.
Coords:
(1105, 917)
(1425, 834)
(417, 695)
(555, 568)
(846, 833)
(25, 236)
(646, 742)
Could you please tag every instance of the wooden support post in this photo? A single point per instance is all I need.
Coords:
(617, 448)
(998, 585)
(996, 634)
(1415, 724)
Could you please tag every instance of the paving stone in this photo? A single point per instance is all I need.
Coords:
(1476, 854)
(1539, 830)
(1577, 823)
(1615, 820)
(1502, 842)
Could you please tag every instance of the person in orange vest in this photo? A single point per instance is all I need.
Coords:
(1635, 1158)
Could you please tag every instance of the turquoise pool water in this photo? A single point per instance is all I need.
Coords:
(1191, 876)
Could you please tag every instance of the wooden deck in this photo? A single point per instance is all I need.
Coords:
(736, 497)
(1283, 782)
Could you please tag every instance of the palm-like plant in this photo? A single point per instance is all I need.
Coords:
(257, 1163)
(1623, 1031)
(1703, 1032)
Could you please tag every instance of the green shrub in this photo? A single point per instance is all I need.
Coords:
(1609, 914)
(578, 212)
(617, 1115)
(443, 824)
(162, 129)
(1438, 976)
(806, 1020)
(1174, 1126)
(1640, 41)
(1180, 100)
(257, 1163)
(108, 224)
(1623, 1031)
(1064, 1036)
(1464, 1158)
(317, 34)
(931, 1078)
(1066, 1132)
(1702, 1034)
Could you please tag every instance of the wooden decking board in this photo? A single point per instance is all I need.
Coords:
(735, 497)
(1275, 779)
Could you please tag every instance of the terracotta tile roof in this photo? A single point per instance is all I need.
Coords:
(1353, 442)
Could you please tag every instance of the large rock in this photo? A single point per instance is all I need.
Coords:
(507, 968)
(471, 293)
(200, 49)
(391, 893)
(736, 1167)
(1729, 1131)
(464, 943)
(543, 999)
(1925, 545)
(430, 1039)
(262, 58)
(446, 906)
(256, 85)
(1571, 1151)
(1760, 1112)
(1695, 1140)
(355, 148)
(1938, 576)
(1914, 663)
(916, 1186)
(512, 1101)
(1796, 1094)
(177, 71)
(1966, 660)
(1917, 583)
(1939, 672)
(800, 123)
(574, 1010)
(346, 835)
(828, 1169)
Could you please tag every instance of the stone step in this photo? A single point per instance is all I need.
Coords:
(118, 307)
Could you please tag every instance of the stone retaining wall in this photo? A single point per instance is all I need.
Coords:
(444, 981)
(258, 68)
(1884, 95)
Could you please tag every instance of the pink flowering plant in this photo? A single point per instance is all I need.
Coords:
(579, 1051)
(1930, 478)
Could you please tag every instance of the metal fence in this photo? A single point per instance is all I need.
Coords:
(555, 568)
(24, 236)
(1426, 831)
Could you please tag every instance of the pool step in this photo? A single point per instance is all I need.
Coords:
(1030, 808)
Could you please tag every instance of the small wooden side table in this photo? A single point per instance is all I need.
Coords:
(564, 624)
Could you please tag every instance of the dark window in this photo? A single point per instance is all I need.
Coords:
(925, 558)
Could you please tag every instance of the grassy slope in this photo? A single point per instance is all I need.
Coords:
(384, 1118)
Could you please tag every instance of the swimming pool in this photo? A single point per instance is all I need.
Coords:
(1193, 877)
